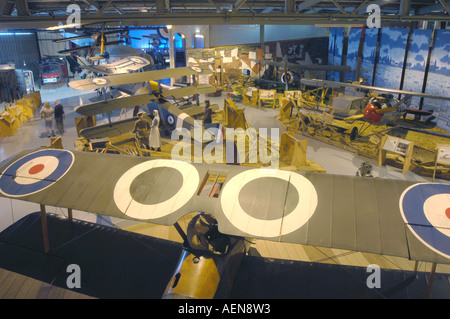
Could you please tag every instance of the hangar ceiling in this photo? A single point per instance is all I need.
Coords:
(28, 14)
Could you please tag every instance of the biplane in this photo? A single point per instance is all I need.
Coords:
(231, 204)
(378, 106)
(121, 59)
(125, 65)
(98, 40)
(150, 95)
(291, 71)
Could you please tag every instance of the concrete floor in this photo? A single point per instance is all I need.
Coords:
(32, 134)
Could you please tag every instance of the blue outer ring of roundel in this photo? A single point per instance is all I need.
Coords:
(10, 188)
(412, 205)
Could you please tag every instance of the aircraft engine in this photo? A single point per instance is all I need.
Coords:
(371, 115)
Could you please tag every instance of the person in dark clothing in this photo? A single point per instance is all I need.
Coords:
(142, 130)
(59, 117)
(208, 113)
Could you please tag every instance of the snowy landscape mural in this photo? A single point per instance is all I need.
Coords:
(438, 80)
(354, 38)
(369, 52)
(335, 48)
(391, 57)
(416, 63)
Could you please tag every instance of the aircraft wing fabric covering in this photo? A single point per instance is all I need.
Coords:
(375, 215)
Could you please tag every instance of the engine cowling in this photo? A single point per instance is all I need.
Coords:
(371, 115)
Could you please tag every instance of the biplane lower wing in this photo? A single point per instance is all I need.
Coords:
(129, 78)
(111, 130)
(380, 216)
(139, 99)
(113, 104)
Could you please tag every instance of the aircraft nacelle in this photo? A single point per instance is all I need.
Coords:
(371, 115)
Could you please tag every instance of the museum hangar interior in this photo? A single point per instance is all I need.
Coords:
(334, 117)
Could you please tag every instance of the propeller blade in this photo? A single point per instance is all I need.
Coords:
(386, 110)
(354, 117)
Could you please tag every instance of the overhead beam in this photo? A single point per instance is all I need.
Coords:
(106, 5)
(224, 18)
(339, 6)
(82, 8)
(216, 5)
(380, 3)
(433, 8)
(445, 5)
(168, 7)
(306, 4)
(405, 7)
(160, 6)
(289, 6)
(93, 4)
(358, 8)
(120, 11)
(22, 8)
(238, 4)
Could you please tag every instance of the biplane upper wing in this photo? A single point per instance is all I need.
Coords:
(318, 82)
(110, 130)
(121, 79)
(365, 214)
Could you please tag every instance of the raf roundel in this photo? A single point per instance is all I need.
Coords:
(131, 207)
(239, 218)
(100, 81)
(35, 172)
(425, 208)
(196, 69)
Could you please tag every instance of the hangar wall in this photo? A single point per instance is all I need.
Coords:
(223, 35)
(22, 49)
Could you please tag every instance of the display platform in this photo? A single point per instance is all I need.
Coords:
(115, 263)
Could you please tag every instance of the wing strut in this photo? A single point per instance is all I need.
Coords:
(44, 228)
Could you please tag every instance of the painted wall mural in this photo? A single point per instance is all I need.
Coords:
(368, 54)
(354, 39)
(419, 46)
(335, 48)
(438, 80)
(391, 58)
